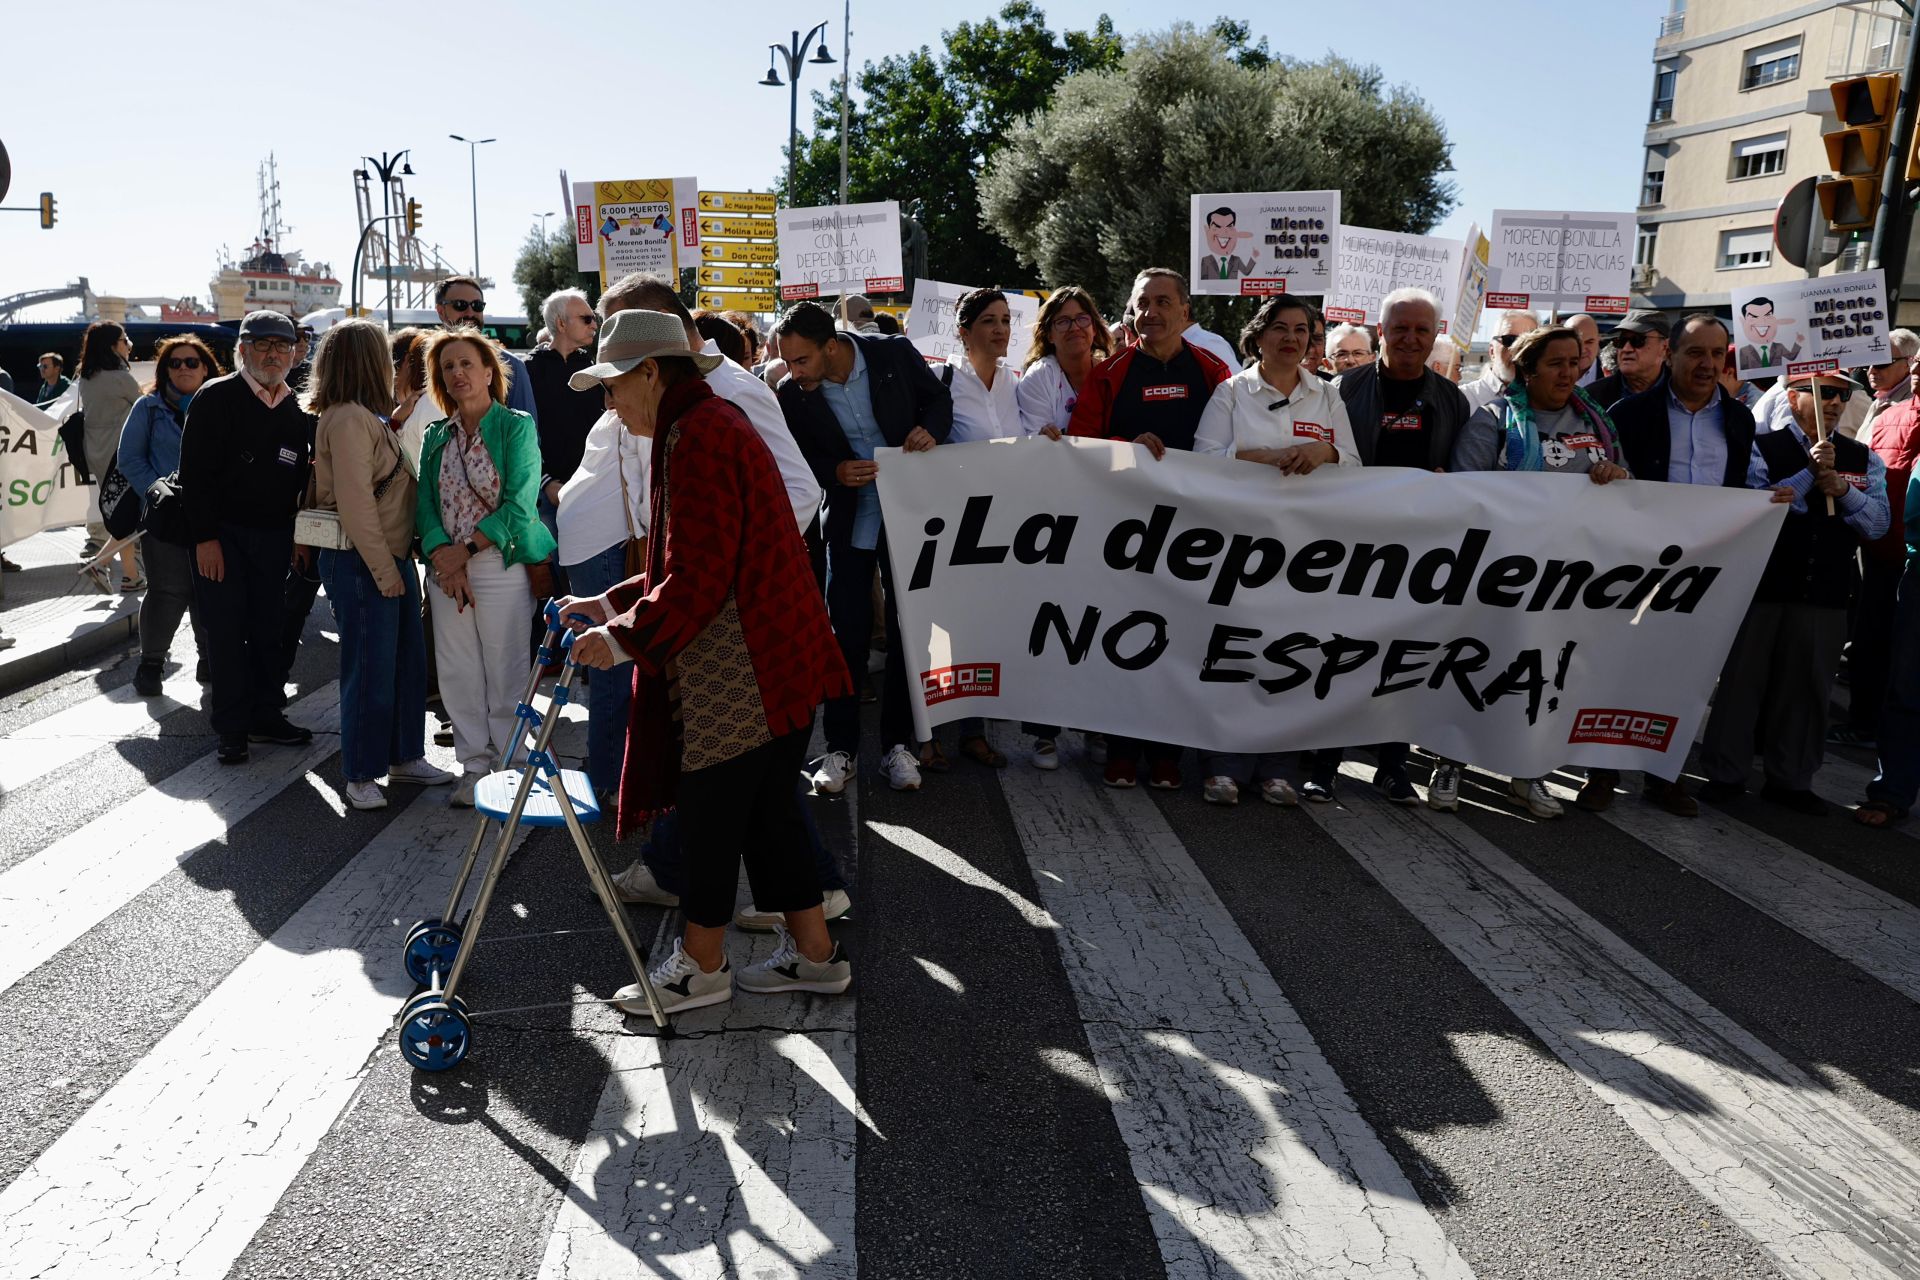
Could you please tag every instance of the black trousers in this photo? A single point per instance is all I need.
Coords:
(296, 602)
(850, 607)
(1872, 641)
(1388, 757)
(747, 807)
(242, 614)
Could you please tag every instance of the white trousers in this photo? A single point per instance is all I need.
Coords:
(482, 657)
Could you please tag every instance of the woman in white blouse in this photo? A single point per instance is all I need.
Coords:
(982, 382)
(1272, 413)
(1069, 338)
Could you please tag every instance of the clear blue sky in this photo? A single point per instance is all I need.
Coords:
(148, 123)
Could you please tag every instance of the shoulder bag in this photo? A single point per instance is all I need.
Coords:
(320, 526)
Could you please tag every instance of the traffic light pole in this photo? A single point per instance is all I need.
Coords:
(1893, 227)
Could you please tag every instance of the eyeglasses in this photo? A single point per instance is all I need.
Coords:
(1065, 324)
(185, 362)
(270, 346)
(476, 305)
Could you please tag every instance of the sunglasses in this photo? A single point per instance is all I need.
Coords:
(477, 305)
(1507, 339)
(186, 362)
(1634, 340)
(589, 319)
(1842, 394)
(1888, 365)
(1062, 324)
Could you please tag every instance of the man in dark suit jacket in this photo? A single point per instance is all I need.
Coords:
(844, 396)
(1684, 429)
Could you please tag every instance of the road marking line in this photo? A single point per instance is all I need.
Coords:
(176, 1167)
(1874, 931)
(85, 876)
(35, 750)
(1815, 1183)
(1250, 1153)
(728, 1151)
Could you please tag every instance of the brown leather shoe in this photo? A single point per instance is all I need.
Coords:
(1672, 797)
(1598, 793)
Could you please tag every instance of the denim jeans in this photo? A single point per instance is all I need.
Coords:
(608, 692)
(1899, 776)
(383, 666)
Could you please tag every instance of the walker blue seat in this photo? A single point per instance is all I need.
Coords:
(494, 797)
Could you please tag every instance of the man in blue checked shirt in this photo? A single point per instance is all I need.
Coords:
(1778, 675)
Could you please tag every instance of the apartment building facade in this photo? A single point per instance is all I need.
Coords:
(1740, 99)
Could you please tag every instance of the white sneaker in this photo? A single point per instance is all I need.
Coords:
(1279, 791)
(834, 771)
(834, 902)
(681, 984)
(365, 795)
(787, 970)
(1046, 754)
(462, 797)
(1220, 790)
(1443, 793)
(902, 770)
(636, 884)
(1533, 793)
(421, 772)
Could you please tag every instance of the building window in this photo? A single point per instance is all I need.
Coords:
(1664, 76)
(1644, 245)
(1750, 248)
(1653, 187)
(1773, 63)
(1760, 157)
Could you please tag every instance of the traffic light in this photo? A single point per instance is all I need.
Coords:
(46, 211)
(1857, 151)
(413, 216)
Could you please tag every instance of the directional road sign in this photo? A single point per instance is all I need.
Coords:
(736, 202)
(739, 251)
(760, 227)
(739, 277)
(743, 301)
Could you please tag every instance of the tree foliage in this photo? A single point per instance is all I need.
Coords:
(927, 123)
(544, 266)
(1097, 185)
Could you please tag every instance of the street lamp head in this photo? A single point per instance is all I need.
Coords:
(773, 80)
(821, 56)
(406, 170)
(456, 137)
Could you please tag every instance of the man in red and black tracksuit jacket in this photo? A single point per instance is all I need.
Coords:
(1152, 394)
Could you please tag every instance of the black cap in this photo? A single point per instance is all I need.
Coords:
(267, 324)
(1644, 322)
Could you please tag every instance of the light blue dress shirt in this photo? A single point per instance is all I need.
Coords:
(1865, 510)
(852, 405)
(1697, 442)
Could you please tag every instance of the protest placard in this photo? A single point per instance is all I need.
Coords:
(1256, 244)
(1547, 260)
(1471, 292)
(1222, 605)
(37, 486)
(639, 224)
(1802, 326)
(934, 327)
(1371, 264)
(840, 249)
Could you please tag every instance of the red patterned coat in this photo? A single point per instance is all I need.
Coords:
(727, 629)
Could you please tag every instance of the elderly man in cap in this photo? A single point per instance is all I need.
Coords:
(244, 456)
(856, 315)
(1493, 380)
(1774, 687)
(1640, 358)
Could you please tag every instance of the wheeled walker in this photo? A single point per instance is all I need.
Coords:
(436, 1030)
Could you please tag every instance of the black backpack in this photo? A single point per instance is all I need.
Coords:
(167, 512)
(73, 437)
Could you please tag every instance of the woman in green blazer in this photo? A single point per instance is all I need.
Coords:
(479, 529)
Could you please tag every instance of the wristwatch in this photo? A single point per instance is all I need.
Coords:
(473, 548)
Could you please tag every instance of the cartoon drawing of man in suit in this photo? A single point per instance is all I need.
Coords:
(1760, 326)
(1223, 235)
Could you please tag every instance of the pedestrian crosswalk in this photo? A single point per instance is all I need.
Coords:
(1092, 1033)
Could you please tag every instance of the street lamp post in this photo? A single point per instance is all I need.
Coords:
(796, 57)
(473, 169)
(543, 224)
(387, 166)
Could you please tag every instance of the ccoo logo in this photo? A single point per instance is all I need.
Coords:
(1623, 728)
(974, 680)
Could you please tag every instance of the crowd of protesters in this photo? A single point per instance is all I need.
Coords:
(705, 496)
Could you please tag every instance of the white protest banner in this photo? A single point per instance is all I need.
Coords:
(1546, 260)
(840, 249)
(1372, 264)
(640, 224)
(37, 487)
(1471, 293)
(1259, 243)
(934, 327)
(1521, 622)
(1807, 326)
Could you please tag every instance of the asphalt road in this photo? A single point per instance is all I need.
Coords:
(1092, 1034)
